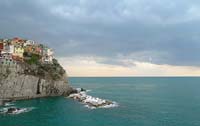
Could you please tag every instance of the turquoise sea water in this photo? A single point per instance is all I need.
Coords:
(142, 102)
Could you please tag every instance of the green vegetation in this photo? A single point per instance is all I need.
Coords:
(31, 58)
(52, 71)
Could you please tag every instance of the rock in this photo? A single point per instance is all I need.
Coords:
(74, 91)
(77, 90)
(12, 110)
(83, 89)
(24, 81)
(90, 101)
(4, 101)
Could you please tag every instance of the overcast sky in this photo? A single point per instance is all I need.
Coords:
(111, 37)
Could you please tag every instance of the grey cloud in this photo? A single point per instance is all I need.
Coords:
(167, 31)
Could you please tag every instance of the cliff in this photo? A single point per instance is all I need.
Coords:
(26, 81)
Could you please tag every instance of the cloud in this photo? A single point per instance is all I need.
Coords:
(125, 10)
(121, 32)
(90, 66)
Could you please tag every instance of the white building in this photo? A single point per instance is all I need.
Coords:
(6, 58)
(47, 55)
(8, 49)
(29, 42)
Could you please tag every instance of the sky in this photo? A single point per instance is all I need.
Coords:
(111, 37)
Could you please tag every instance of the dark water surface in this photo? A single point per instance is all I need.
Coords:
(142, 102)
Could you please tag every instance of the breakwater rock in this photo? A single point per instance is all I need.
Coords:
(89, 101)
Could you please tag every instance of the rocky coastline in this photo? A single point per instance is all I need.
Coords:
(24, 81)
(29, 70)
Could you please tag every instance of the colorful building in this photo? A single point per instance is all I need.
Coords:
(18, 51)
(47, 54)
(35, 49)
(29, 42)
(15, 49)
(8, 48)
(1, 49)
(1, 45)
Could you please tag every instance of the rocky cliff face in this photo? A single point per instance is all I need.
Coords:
(25, 81)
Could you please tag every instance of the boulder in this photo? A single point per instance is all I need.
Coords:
(12, 110)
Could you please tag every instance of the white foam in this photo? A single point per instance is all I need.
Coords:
(3, 110)
(21, 110)
(9, 104)
(88, 90)
(90, 107)
(110, 106)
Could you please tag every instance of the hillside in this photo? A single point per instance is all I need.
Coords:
(26, 74)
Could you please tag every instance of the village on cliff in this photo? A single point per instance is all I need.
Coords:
(17, 50)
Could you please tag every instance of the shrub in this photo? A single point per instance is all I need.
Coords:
(34, 59)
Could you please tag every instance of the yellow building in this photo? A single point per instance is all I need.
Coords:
(18, 51)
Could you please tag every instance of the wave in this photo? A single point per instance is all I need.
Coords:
(115, 104)
(88, 90)
(9, 104)
(17, 111)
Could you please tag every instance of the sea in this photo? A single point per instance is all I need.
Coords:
(142, 101)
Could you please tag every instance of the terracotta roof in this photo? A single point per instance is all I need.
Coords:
(1, 46)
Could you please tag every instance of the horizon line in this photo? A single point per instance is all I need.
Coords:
(130, 76)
